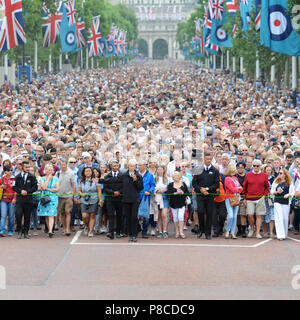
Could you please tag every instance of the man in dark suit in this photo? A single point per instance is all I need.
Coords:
(205, 185)
(132, 185)
(113, 189)
(25, 186)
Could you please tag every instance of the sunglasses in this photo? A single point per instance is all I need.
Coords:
(72, 162)
(256, 166)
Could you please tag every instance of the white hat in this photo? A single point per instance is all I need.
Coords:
(86, 155)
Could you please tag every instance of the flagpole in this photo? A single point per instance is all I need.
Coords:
(228, 61)
(87, 59)
(6, 66)
(294, 73)
(257, 66)
(35, 56)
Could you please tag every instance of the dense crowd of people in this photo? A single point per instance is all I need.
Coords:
(151, 147)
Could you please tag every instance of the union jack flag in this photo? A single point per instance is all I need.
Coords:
(70, 5)
(218, 9)
(257, 14)
(12, 24)
(197, 26)
(118, 43)
(80, 35)
(207, 19)
(232, 7)
(50, 26)
(94, 42)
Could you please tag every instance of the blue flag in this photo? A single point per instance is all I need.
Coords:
(218, 35)
(246, 6)
(67, 33)
(276, 30)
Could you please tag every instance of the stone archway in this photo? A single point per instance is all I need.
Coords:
(160, 49)
(143, 47)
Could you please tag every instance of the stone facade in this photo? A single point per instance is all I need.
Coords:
(158, 20)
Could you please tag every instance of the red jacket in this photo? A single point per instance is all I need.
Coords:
(8, 193)
(231, 188)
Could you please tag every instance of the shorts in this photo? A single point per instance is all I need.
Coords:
(65, 205)
(242, 210)
(259, 208)
(89, 208)
(166, 203)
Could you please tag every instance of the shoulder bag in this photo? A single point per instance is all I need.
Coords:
(45, 199)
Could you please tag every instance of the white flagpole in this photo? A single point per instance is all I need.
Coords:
(294, 73)
(257, 66)
(35, 56)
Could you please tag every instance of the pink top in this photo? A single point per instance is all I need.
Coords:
(231, 187)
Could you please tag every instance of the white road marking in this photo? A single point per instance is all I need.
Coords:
(76, 237)
(171, 244)
(293, 239)
(262, 243)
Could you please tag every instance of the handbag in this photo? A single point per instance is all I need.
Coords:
(144, 208)
(188, 201)
(235, 201)
(1, 191)
(45, 199)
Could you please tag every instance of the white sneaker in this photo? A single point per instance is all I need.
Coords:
(91, 234)
(103, 230)
(185, 228)
(250, 234)
(153, 232)
(291, 227)
(258, 236)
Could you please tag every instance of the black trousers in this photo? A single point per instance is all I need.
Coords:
(112, 207)
(131, 211)
(23, 210)
(219, 217)
(205, 205)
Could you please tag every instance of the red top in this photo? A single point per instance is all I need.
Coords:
(8, 193)
(256, 186)
(231, 186)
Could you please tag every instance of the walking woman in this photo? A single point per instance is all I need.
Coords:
(91, 196)
(177, 191)
(232, 188)
(8, 202)
(283, 189)
(49, 186)
(162, 202)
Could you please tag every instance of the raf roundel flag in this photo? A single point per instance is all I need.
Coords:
(276, 31)
(67, 33)
(219, 36)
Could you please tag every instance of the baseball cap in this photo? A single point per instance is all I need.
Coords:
(297, 154)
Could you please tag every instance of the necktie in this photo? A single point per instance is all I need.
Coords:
(296, 177)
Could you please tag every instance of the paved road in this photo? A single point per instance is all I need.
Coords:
(97, 268)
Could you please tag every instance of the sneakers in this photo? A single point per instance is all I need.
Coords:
(185, 228)
(250, 234)
(3, 235)
(153, 232)
(165, 235)
(10, 234)
(103, 230)
(85, 231)
(90, 235)
(160, 235)
(258, 236)
(291, 227)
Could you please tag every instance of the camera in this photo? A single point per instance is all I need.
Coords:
(87, 198)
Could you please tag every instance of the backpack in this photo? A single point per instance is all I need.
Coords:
(221, 193)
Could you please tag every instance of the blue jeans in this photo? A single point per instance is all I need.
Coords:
(231, 216)
(7, 210)
(35, 220)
